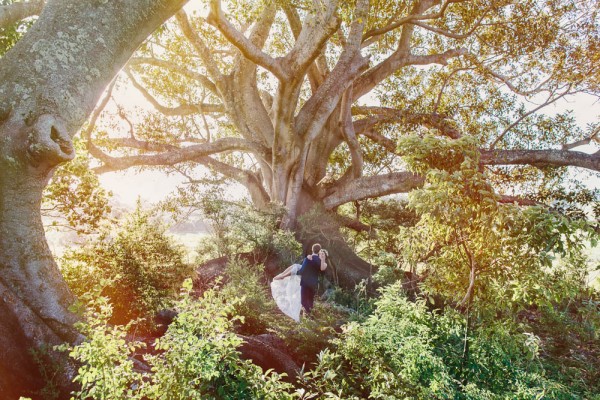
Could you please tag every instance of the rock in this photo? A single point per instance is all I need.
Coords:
(269, 352)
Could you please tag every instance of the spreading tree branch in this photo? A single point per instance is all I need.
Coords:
(177, 68)
(183, 109)
(316, 29)
(251, 181)
(316, 75)
(372, 186)
(178, 155)
(201, 48)
(441, 122)
(248, 49)
(541, 158)
(347, 128)
(453, 35)
(354, 224)
(593, 137)
(398, 59)
(370, 36)
(247, 106)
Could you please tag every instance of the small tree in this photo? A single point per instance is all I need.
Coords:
(143, 265)
(471, 247)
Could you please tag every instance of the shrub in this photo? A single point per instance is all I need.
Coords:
(405, 351)
(239, 227)
(106, 370)
(197, 358)
(256, 306)
(144, 266)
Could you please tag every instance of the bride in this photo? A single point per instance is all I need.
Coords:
(285, 288)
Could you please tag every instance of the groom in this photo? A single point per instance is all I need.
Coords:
(309, 272)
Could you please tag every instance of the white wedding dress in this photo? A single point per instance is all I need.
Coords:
(286, 293)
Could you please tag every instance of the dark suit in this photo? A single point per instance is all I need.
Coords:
(309, 272)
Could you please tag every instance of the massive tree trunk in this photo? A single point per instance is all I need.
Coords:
(317, 225)
(49, 83)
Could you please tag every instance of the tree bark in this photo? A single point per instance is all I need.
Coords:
(318, 226)
(50, 81)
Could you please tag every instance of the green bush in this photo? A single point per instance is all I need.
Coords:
(256, 306)
(312, 335)
(238, 228)
(106, 369)
(197, 358)
(405, 351)
(144, 266)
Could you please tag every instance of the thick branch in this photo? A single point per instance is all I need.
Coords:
(542, 158)
(594, 136)
(251, 181)
(248, 49)
(345, 119)
(315, 75)
(183, 109)
(349, 133)
(203, 51)
(247, 107)
(354, 224)
(373, 186)
(388, 144)
(202, 79)
(384, 114)
(397, 60)
(189, 153)
(315, 112)
(143, 145)
(439, 58)
(15, 12)
(314, 34)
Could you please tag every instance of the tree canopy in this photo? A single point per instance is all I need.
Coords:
(303, 102)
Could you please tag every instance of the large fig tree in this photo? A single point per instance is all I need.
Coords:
(302, 102)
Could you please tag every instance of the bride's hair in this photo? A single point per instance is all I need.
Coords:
(326, 252)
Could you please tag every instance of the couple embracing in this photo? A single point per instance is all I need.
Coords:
(296, 287)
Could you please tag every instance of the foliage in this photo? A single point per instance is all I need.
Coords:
(359, 301)
(472, 69)
(382, 244)
(255, 307)
(50, 369)
(240, 227)
(106, 371)
(74, 195)
(405, 351)
(471, 247)
(197, 358)
(142, 263)
(569, 332)
(200, 359)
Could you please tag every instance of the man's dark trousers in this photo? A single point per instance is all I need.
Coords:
(307, 297)
(310, 271)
